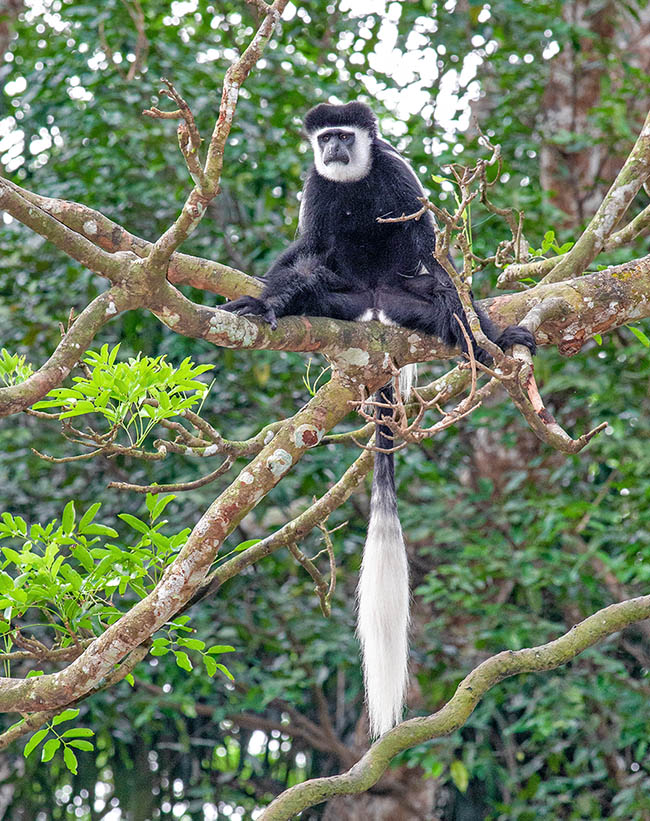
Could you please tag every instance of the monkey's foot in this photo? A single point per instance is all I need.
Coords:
(516, 335)
(251, 306)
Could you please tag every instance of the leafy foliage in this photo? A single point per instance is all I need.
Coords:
(134, 395)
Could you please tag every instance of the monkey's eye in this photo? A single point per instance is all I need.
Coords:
(324, 138)
(344, 137)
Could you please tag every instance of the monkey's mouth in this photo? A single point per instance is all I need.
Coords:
(343, 160)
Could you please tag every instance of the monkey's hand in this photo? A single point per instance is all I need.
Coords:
(252, 306)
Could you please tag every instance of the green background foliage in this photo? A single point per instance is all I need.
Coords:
(506, 551)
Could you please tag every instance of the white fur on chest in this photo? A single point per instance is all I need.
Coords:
(375, 314)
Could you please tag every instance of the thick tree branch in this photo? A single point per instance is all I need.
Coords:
(594, 304)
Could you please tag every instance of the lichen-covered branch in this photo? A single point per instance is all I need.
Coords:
(455, 713)
(593, 304)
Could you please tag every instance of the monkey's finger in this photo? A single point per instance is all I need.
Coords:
(270, 317)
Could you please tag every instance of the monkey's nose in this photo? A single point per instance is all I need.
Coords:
(335, 154)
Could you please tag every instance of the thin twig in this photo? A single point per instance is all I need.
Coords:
(179, 486)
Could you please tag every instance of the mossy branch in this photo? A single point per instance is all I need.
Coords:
(455, 712)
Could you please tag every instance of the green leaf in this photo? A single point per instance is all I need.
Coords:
(225, 671)
(210, 665)
(459, 775)
(183, 660)
(82, 745)
(66, 715)
(100, 530)
(156, 504)
(245, 545)
(639, 335)
(34, 741)
(83, 557)
(81, 407)
(70, 760)
(49, 748)
(88, 516)
(220, 648)
(78, 732)
(67, 520)
(598, 339)
(192, 644)
(134, 522)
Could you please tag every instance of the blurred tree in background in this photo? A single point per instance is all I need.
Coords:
(510, 542)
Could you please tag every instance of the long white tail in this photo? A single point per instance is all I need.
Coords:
(383, 595)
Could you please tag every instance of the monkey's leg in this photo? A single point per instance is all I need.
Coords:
(434, 312)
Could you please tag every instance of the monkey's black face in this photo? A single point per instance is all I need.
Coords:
(336, 146)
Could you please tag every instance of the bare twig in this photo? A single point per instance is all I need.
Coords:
(324, 590)
(189, 139)
(179, 486)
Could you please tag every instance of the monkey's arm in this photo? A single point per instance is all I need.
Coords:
(296, 283)
(281, 286)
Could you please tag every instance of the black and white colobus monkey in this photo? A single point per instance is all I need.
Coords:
(346, 265)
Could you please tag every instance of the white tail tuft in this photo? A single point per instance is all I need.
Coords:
(383, 617)
(407, 376)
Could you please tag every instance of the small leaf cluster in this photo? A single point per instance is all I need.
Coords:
(134, 395)
(13, 368)
(162, 646)
(550, 243)
(68, 740)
